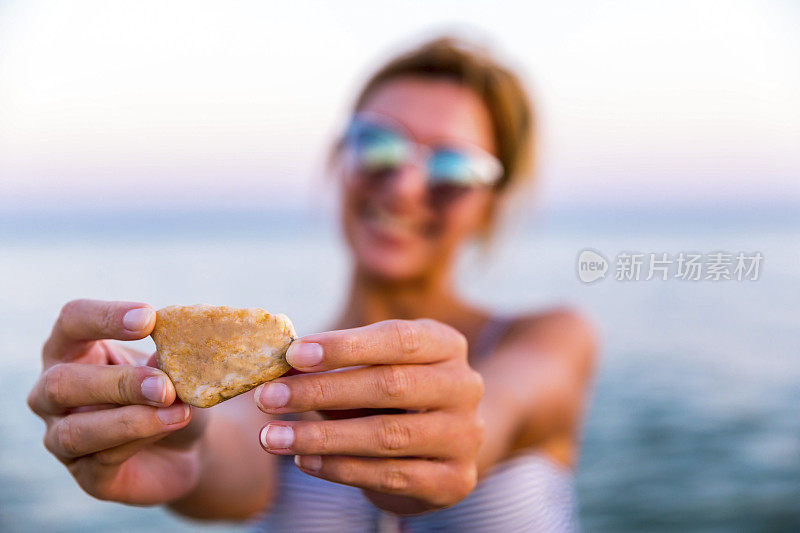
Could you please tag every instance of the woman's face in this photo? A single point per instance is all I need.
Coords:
(394, 230)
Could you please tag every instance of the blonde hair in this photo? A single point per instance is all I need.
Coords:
(500, 90)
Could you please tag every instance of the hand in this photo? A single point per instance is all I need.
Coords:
(107, 413)
(421, 459)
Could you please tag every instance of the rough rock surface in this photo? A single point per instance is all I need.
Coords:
(215, 353)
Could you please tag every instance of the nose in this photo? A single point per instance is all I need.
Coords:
(408, 186)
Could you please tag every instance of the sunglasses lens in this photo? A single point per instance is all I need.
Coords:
(377, 149)
(452, 167)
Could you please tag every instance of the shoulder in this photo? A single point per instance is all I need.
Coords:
(555, 322)
(560, 332)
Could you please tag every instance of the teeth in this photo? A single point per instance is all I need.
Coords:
(390, 222)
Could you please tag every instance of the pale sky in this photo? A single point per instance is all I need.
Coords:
(147, 104)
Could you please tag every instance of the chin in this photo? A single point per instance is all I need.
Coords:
(387, 266)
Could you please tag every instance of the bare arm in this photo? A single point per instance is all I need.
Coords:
(236, 479)
(536, 385)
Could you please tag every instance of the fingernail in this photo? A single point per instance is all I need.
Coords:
(272, 395)
(274, 437)
(310, 463)
(173, 414)
(154, 389)
(137, 319)
(304, 354)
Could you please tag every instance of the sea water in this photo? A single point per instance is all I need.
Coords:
(694, 419)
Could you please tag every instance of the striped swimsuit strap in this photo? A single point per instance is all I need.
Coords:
(489, 337)
(528, 493)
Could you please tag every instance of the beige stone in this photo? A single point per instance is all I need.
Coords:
(215, 353)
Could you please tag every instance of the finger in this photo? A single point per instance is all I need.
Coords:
(381, 386)
(80, 434)
(434, 434)
(119, 454)
(387, 342)
(172, 439)
(152, 360)
(68, 385)
(439, 483)
(83, 321)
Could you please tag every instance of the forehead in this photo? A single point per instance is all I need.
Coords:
(434, 110)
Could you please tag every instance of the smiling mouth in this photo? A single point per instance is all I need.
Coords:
(391, 225)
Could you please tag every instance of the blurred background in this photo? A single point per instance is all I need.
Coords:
(173, 152)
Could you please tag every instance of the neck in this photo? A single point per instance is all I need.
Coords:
(373, 299)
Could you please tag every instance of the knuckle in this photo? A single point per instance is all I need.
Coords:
(133, 426)
(35, 395)
(396, 381)
(68, 309)
(463, 479)
(52, 381)
(460, 343)
(470, 478)
(48, 442)
(47, 346)
(472, 437)
(467, 479)
(475, 385)
(323, 438)
(408, 335)
(393, 435)
(466, 436)
(320, 392)
(454, 338)
(107, 320)
(30, 401)
(67, 437)
(394, 479)
(441, 500)
(346, 471)
(122, 385)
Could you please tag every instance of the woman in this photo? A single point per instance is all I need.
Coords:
(444, 416)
